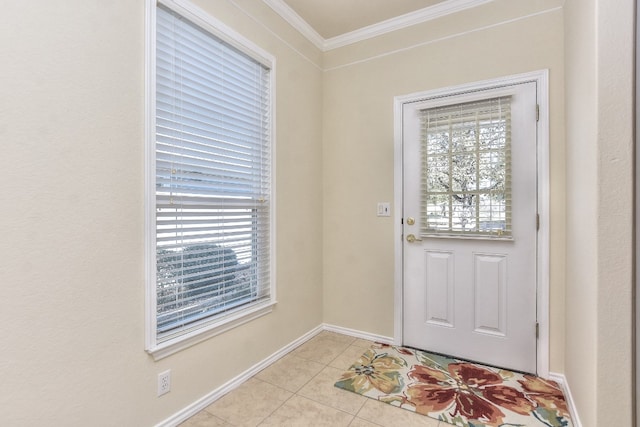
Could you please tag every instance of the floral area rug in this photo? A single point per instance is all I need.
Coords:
(461, 393)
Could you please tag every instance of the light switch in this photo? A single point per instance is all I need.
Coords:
(384, 209)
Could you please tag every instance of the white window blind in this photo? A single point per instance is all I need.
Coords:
(212, 180)
(466, 181)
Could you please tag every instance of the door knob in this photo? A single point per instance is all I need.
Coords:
(411, 238)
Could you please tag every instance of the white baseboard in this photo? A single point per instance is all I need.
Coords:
(233, 383)
(357, 334)
(562, 380)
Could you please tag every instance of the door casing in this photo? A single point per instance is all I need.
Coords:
(541, 78)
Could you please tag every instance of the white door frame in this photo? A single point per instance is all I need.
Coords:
(542, 265)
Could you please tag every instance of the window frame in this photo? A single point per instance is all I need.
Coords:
(206, 329)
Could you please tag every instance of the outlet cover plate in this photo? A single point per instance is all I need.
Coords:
(164, 382)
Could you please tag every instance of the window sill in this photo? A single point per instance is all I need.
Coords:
(168, 348)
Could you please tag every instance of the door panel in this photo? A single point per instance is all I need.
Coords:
(490, 291)
(469, 248)
(439, 286)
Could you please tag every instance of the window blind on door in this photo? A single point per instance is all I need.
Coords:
(213, 194)
(466, 169)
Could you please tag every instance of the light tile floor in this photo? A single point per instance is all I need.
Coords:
(298, 390)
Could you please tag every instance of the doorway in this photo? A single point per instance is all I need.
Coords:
(472, 237)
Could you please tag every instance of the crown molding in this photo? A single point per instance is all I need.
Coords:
(419, 16)
(296, 21)
(422, 15)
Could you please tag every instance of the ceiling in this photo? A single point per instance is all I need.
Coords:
(330, 24)
(332, 18)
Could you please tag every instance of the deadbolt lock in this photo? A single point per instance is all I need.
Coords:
(411, 220)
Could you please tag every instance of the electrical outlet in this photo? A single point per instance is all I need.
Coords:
(164, 382)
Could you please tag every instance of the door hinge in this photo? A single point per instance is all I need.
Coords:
(537, 221)
(537, 112)
(537, 330)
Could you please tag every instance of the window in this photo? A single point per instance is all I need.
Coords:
(209, 190)
(466, 169)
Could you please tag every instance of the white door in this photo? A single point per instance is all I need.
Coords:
(470, 226)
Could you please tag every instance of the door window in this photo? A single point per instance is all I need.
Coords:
(466, 176)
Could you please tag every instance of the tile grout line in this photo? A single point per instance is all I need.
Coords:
(295, 393)
(327, 365)
(276, 409)
(326, 406)
(333, 339)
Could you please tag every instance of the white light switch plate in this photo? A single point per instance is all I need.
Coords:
(384, 209)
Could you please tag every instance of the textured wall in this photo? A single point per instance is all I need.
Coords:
(599, 57)
(71, 138)
(361, 81)
(582, 266)
(615, 66)
(72, 249)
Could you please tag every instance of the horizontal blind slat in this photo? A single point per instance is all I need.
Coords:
(181, 37)
(165, 201)
(190, 46)
(221, 138)
(212, 178)
(177, 75)
(219, 107)
(466, 168)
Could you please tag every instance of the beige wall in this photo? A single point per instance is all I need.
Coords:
(72, 279)
(71, 138)
(361, 81)
(599, 65)
(615, 44)
(582, 218)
